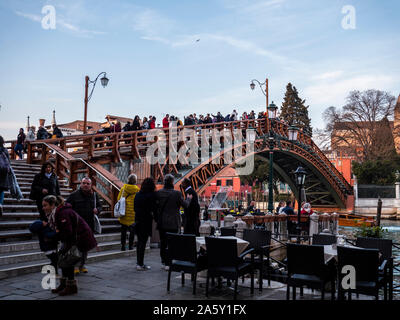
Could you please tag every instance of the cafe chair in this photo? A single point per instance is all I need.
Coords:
(182, 252)
(306, 267)
(323, 239)
(223, 261)
(260, 241)
(225, 231)
(367, 271)
(386, 259)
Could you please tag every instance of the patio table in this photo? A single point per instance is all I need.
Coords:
(241, 244)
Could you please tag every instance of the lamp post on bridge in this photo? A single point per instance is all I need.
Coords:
(104, 81)
(300, 177)
(265, 92)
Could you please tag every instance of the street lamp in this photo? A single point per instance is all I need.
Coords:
(265, 92)
(293, 131)
(272, 108)
(300, 177)
(104, 81)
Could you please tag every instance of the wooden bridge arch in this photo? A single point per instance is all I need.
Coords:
(98, 156)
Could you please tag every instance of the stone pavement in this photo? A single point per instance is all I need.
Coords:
(118, 280)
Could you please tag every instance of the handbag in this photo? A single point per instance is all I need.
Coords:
(97, 225)
(120, 206)
(72, 256)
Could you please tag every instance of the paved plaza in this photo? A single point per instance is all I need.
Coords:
(118, 279)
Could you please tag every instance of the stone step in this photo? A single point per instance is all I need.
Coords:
(23, 201)
(25, 194)
(34, 244)
(35, 255)
(15, 225)
(24, 268)
(8, 208)
(15, 235)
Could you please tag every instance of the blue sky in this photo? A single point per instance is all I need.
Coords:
(156, 66)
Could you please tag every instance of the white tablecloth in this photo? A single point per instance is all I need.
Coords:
(241, 244)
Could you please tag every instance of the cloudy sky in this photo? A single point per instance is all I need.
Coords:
(155, 64)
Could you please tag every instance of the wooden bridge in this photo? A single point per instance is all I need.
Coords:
(108, 159)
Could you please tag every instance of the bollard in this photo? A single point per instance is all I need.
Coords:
(240, 225)
(269, 222)
(228, 221)
(205, 229)
(283, 226)
(314, 225)
(335, 223)
(249, 219)
(325, 221)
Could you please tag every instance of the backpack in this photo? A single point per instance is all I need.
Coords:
(4, 161)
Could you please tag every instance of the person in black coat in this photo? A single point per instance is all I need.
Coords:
(85, 203)
(144, 206)
(192, 212)
(44, 183)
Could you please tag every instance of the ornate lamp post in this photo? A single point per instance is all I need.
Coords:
(104, 81)
(265, 92)
(272, 108)
(300, 177)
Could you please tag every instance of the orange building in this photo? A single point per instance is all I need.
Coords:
(342, 164)
(228, 178)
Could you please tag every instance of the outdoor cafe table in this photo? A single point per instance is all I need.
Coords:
(330, 251)
(241, 244)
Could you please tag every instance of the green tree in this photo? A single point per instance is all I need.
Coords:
(294, 110)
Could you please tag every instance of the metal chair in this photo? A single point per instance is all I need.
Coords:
(385, 248)
(182, 252)
(366, 265)
(260, 241)
(223, 261)
(306, 267)
(323, 239)
(225, 231)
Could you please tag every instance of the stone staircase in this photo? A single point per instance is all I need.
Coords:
(19, 249)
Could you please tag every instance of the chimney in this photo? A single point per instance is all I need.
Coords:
(54, 118)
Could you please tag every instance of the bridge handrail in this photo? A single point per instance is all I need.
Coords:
(85, 162)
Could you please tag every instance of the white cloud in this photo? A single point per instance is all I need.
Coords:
(61, 22)
(328, 75)
(335, 92)
(32, 17)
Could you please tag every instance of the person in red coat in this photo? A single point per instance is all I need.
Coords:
(306, 210)
(153, 123)
(165, 121)
(71, 230)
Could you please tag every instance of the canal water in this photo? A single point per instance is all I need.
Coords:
(392, 229)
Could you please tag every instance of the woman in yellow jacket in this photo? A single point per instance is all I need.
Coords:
(127, 222)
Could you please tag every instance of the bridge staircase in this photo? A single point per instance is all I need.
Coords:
(19, 248)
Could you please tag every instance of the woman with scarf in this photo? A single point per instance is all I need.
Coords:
(71, 230)
(45, 183)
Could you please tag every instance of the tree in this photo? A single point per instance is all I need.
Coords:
(361, 128)
(260, 175)
(294, 111)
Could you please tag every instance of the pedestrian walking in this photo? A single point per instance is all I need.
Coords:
(42, 134)
(86, 203)
(56, 132)
(129, 191)
(19, 147)
(144, 205)
(192, 212)
(168, 217)
(4, 171)
(44, 183)
(71, 230)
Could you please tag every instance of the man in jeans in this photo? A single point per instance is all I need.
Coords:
(86, 203)
(168, 218)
